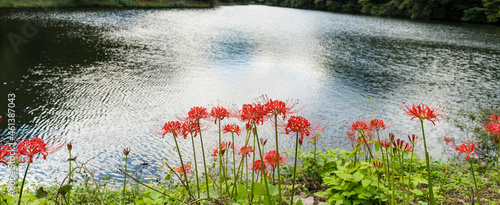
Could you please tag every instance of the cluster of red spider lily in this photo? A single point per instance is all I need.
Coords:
(252, 115)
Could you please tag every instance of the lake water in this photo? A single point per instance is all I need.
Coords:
(105, 79)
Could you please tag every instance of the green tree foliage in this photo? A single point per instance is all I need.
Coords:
(477, 11)
(492, 10)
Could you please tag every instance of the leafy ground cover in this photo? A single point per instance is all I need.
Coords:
(377, 170)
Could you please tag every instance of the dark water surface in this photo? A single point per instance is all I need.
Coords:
(105, 79)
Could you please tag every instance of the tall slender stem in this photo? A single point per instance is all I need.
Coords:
(253, 171)
(429, 177)
(220, 157)
(204, 161)
(195, 166)
(182, 164)
(234, 161)
(240, 167)
(124, 178)
(295, 166)
(411, 165)
(263, 170)
(367, 145)
(401, 164)
(498, 152)
(475, 183)
(22, 185)
(278, 158)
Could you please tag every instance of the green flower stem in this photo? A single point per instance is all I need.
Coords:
(220, 157)
(498, 152)
(409, 177)
(22, 184)
(195, 166)
(124, 178)
(70, 174)
(263, 171)
(475, 182)
(401, 165)
(429, 171)
(234, 163)
(225, 171)
(253, 165)
(204, 161)
(278, 158)
(386, 166)
(393, 178)
(367, 146)
(295, 166)
(182, 164)
(240, 166)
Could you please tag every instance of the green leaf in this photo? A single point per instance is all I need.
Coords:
(257, 188)
(358, 176)
(321, 193)
(64, 189)
(347, 177)
(299, 202)
(417, 192)
(242, 191)
(40, 193)
(366, 182)
(273, 190)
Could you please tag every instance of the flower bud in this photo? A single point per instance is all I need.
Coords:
(69, 146)
(126, 151)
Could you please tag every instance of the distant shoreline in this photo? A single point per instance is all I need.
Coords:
(51, 4)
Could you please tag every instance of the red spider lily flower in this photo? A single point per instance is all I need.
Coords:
(270, 159)
(493, 128)
(423, 112)
(360, 126)
(257, 166)
(187, 168)
(232, 128)
(0, 118)
(190, 127)
(215, 153)
(391, 136)
(263, 141)
(278, 107)
(254, 113)
(467, 148)
(126, 151)
(377, 124)
(378, 164)
(219, 112)
(448, 140)
(407, 146)
(31, 147)
(197, 113)
(413, 138)
(299, 125)
(173, 127)
(4, 152)
(494, 117)
(384, 143)
(246, 150)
